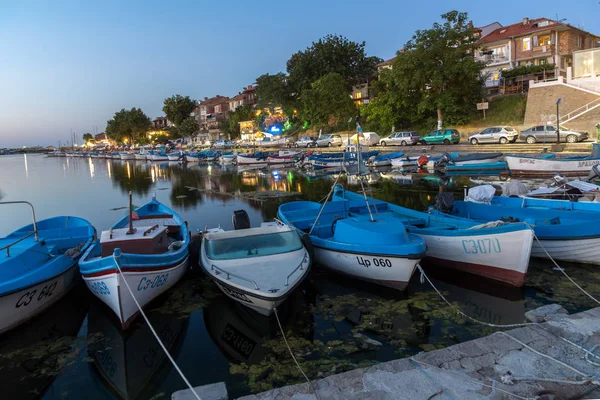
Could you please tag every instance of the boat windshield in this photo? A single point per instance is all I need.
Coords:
(252, 246)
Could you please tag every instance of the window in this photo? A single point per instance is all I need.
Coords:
(579, 41)
(357, 95)
(538, 129)
(526, 44)
(550, 128)
(545, 40)
(536, 41)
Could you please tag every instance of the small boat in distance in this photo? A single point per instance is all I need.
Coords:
(257, 267)
(148, 250)
(39, 265)
(549, 165)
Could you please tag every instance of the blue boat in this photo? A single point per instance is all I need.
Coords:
(494, 252)
(564, 234)
(145, 252)
(347, 159)
(378, 250)
(39, 265)
(385, 159)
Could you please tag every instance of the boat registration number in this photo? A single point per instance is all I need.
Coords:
(482, 246)
(376, 262)
(158, 281)
(29, 296)
(99, 288)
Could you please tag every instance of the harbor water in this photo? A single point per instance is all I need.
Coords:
(77, 350)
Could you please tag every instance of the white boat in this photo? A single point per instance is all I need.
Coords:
(258, 267)
(549, 164)
(147, 258)
(141, 156)
(125, 155)
(159, 157)
(405, 162)
(251, 159)
(175, 156)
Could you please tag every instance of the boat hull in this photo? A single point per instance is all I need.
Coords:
(502, 257)
(586, 251)
(126, 156)
(139, 157)
(549, 167)
(393, 272)
(250, 160)
(147, 283)
(20, 306)
(260, 305)
(156, 157)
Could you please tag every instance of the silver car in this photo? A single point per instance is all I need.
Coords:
(401, 138)
(329, 140)
(495, 134)
(306, 141)
(547, 134)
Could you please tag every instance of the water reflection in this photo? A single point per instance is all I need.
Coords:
(132, 364)
(241, 333)
(32, 355)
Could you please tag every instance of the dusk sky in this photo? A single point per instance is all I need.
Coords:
(71, 64)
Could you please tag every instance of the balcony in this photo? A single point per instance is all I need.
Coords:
(493, 59)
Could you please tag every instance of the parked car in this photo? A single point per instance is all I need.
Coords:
(273, 142)
(206, 143)
(400, 138)
(368, 139)
(547, 133)
(441, 136)
(223, 144)
(329, 140)
(306, 141)
(495, 134)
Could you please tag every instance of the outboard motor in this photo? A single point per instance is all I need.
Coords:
(444, 160)
(240, 220)
(594, 173)
(559, 180)
(444, 202)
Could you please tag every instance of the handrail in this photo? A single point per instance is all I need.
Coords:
(35, 230)
(234, 275)
(584, 108)
(299, 267)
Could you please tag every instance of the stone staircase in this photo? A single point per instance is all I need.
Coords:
(578, 112)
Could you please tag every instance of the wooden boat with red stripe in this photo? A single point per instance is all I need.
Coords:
(147, 249)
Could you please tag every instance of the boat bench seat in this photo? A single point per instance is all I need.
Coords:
(51, 234)
(447, 227)
(360, 206)
(414, 222)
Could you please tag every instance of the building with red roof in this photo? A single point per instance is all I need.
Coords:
(538, 41)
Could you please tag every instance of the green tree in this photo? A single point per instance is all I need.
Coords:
(326, 99)
(332, 53)
(437, 70)
(178, 108)
(231, 126)
(87, 137)
(275, 91)
(185, 128)
(128, 125)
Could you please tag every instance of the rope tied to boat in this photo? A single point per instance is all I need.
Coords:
(292, 354)
(559, 267)
(187, 382)
(324, 204)
(458, 311)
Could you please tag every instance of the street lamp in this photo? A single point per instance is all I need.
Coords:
(558, 121)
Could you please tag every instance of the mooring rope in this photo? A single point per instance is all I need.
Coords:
(196, 395)
(423, 274)
(561, 269)
(324, 204)
(292, 354)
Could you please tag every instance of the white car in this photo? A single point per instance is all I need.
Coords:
(273, 142)
(329, 140)
(495, 134)
(223, 144)
(368, 139)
